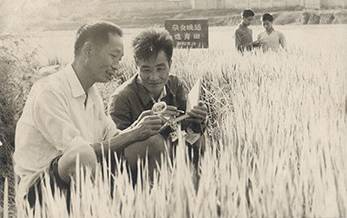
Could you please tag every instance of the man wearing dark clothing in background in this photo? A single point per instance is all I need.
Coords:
(243, 34)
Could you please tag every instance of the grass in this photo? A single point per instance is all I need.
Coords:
(276, 142)
(16, 65)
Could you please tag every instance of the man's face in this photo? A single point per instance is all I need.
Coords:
(154, 72)
(105, 59)
(267, 25)
(248, 20)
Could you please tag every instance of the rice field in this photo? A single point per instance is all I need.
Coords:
(276, 138)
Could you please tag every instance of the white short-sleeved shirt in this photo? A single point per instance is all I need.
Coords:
(272, 41)
(55, 117)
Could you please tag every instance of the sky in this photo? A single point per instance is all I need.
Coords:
(16, 13)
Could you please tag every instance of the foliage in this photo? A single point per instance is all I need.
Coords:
(276, 145)
(16, 68)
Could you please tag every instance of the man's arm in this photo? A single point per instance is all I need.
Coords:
(282, 40)
(51, 117)
(146, 126)
(238, 41)
(115, 143)
(119, 110)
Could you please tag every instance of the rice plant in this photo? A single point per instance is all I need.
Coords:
(276, 144)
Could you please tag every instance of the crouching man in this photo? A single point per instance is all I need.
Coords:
(64, 116)
(153, 50)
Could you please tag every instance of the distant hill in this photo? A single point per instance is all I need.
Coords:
(225, 17)
(67, 15)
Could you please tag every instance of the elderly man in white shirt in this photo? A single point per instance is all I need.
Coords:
(64, 116)
(270, 39)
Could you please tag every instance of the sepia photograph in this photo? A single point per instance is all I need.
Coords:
(173, 108)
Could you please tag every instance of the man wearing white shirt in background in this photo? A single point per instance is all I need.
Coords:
(64, 116)
(271, 39)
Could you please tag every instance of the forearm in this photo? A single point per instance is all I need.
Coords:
(116, 143)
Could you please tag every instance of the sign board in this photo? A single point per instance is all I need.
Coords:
(188, 33)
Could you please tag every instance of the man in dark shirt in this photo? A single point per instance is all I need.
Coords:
(243, 34)
(153, 52)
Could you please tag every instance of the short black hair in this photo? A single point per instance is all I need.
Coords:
(267, 17)
(97, 32)
(150, 42)
(247, 13)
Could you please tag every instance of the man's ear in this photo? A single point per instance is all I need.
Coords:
(136, 62)
(170, 62)
(87, 49)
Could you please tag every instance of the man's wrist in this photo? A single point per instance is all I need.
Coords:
(132, 134)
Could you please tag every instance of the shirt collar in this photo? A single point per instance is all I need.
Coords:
(272, 30)
(143, 93)
(162, 94)
(242, 25)
(75, 85)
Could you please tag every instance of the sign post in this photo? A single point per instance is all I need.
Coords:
(188, 33)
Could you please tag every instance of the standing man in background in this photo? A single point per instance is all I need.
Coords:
(270, 39)
(243, 34)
